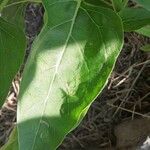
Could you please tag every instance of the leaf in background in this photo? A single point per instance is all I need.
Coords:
(12, 47)
(134, 18)
(102, 3)
(117, 4)
(12, 44)
(12, 143)
(14, 13)
(144, 3)
(69, 65)
(146, 48)
(144, 31)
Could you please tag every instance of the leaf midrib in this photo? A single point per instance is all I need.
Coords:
(57, 67)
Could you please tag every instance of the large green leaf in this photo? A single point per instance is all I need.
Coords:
(144, 31)
(134, 18)
(12, 46)
(69, 65)
(144, 3)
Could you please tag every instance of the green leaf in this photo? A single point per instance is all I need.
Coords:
(146, 48)
(69, 66)
(144, 3)
(102, 3)
(134, 18)
(14, 13)
(12, 47)
(144, 31)
(11, 29)
(12, 143)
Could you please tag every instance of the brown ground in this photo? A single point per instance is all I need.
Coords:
(125, 98)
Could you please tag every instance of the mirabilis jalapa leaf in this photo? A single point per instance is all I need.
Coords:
(69, 65)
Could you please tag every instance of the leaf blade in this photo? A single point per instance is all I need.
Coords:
(144, 31)
(144, 3)
(134, 18)
(12, 46)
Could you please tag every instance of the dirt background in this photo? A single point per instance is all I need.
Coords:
(119, 118)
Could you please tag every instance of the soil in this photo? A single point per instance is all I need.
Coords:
(124, 100)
